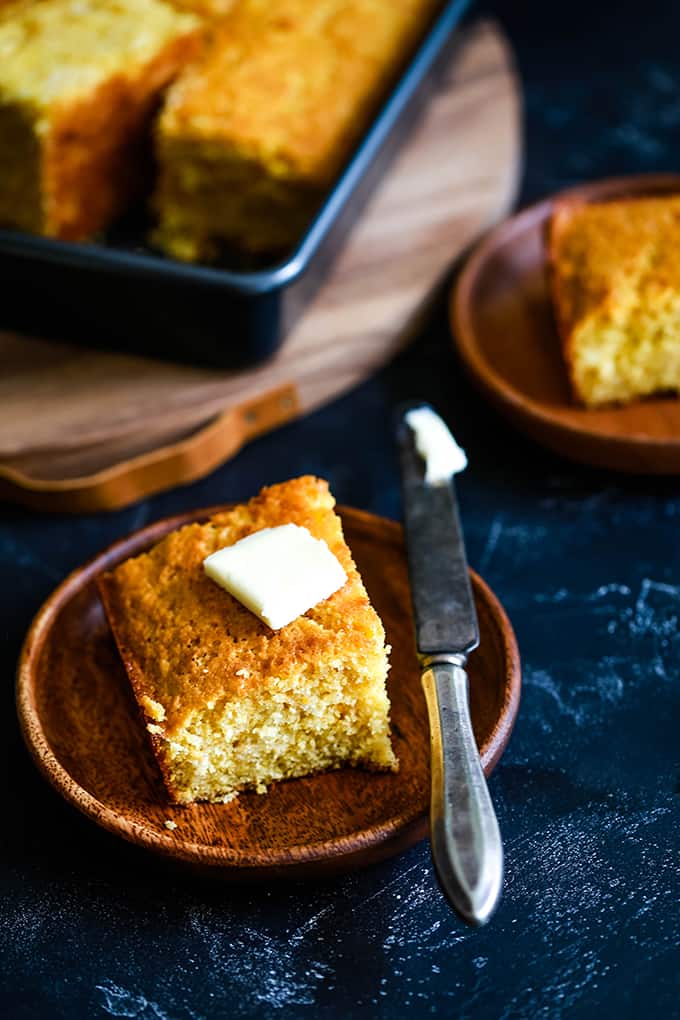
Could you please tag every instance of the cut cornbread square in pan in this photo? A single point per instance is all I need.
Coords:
(615, 282)
(79, 82)
(229, 703)
(253, 134)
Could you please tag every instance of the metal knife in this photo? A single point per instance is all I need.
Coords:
(466, 842)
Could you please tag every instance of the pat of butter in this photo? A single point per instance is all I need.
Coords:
(442, 455)
(277, 573)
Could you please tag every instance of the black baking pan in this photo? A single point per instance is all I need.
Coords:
(119, 294)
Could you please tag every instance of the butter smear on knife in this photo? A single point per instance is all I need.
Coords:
(442, 455)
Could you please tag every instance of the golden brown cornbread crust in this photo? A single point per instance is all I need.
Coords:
(612, 265)
(95, 159)
(208, 9)
(186, 643)
(78, 86)
(564, 289)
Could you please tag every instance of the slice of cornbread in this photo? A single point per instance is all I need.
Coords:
(615, 281)
(79, 80)
(229, 703)
(252, 135)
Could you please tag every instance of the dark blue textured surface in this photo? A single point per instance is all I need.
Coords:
(588, 566)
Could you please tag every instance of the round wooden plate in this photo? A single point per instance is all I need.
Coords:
(503, 327)
(83, 730)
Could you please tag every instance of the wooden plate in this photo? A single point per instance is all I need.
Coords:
(82, 728)
(503, 327)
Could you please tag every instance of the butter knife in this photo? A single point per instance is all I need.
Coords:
(466, 842)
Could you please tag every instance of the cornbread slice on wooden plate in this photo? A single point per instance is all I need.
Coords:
(78, 84)
(504, 328)
(229, 703)
(615, 284)
(83, 729)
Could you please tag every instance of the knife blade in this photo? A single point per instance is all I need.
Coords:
(466, 843)
(443, 606)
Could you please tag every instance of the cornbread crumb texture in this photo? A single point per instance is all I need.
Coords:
(253, 133)
(79, 80)
(229, 703)
(616, 288)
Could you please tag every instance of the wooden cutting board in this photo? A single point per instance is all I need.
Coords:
(84, 430)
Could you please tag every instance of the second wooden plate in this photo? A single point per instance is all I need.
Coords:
(82, 727)
(503, 328)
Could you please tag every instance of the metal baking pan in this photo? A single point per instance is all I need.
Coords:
(119, 294)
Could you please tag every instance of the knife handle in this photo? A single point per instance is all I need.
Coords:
(466, 841)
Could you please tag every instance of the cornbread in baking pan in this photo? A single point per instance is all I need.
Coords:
(229, 703)
(253, 134)
(615, 279)
(79, 81)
